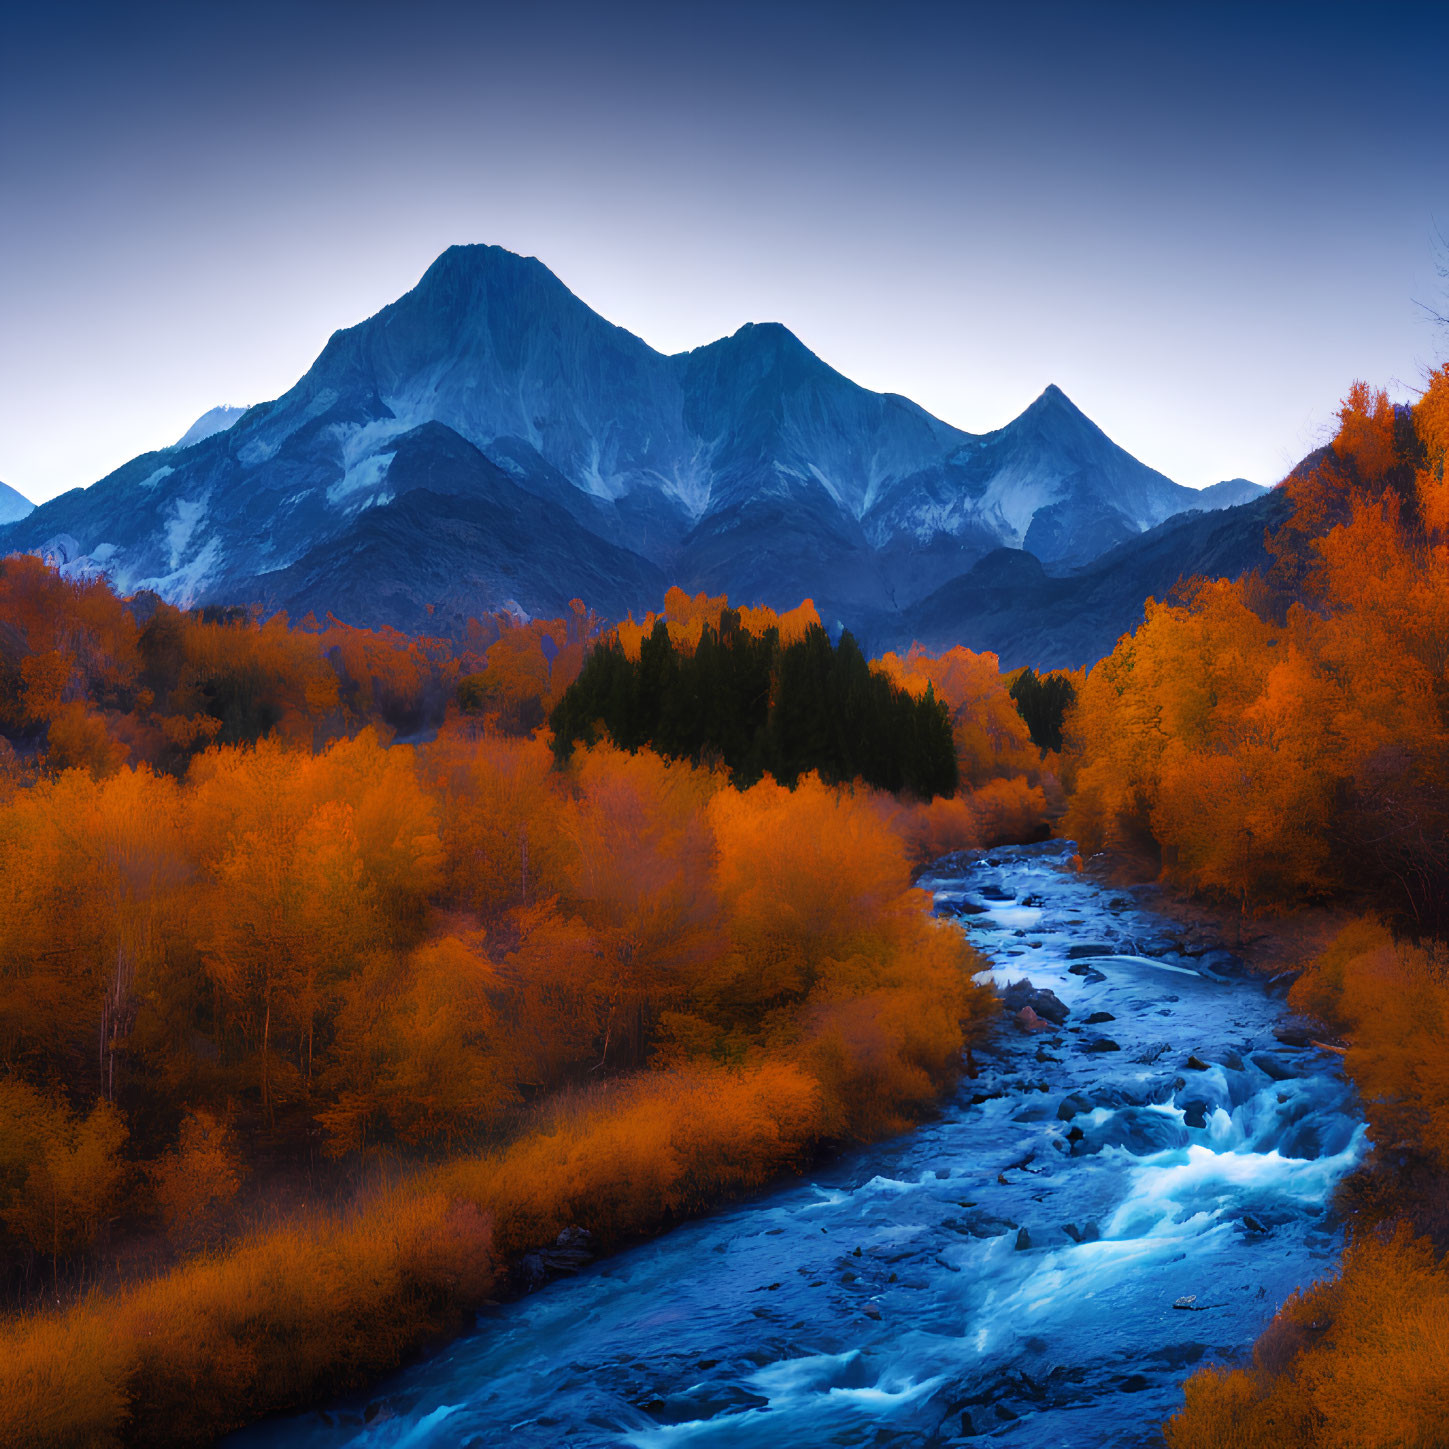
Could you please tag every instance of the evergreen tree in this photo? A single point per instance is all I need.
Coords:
(1043, 703)
(757, 706)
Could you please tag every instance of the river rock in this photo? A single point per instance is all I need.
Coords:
(1195, 1113)
(965, 908)
(1294, 1036)
(1098, 1017)
(1139, 1132)
(1101, 1044)
(1223, 962)
(1042, 1003)
(1033, 1112)
(1087, 949)
(980, 1225)
(1272, 1067)
(529, 1272)
(1073, 1105)
(1023, 1240)
(1030, 1021)
(702, 1401)
(574, 1248)
(1196, 1064)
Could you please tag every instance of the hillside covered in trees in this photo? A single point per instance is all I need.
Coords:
(307, 1031)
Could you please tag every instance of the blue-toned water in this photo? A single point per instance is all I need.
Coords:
(1043, 1265)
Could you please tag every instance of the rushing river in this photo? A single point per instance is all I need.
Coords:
(1090, 1217)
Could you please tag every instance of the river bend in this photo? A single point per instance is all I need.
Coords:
(1108, 1204)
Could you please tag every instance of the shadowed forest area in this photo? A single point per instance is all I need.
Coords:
(307, 1032)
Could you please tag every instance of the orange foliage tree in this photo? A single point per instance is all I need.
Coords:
(1282, 737)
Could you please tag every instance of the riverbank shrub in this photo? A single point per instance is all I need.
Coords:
(324, 1302)
(1358, 1362)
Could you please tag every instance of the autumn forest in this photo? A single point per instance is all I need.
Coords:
(340, 969)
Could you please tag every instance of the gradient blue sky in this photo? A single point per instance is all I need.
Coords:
(1202, 222)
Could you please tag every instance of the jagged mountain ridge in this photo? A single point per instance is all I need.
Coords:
(748, 465)
(1009, 604)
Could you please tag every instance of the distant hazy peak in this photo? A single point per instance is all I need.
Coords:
(13, 505)
(1230, 492)
(217, 420)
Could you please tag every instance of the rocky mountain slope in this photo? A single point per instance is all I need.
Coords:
(560, 455)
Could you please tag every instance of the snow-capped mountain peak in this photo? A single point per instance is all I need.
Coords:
(748, 465)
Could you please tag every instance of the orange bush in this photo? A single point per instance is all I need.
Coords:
(1359, 1362)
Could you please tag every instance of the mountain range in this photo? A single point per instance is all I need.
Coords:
(489, 441)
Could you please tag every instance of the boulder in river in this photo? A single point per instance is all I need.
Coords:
(1098, 1017)
(1274, 1068)
(1223, 962)
(1042, 1003)
(1101, 1044)
(1033, 1112)
(1140, 1130)
(1030, 1021)
(1073, 1105)
(1195, 1113)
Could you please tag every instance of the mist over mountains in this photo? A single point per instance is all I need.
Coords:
(489, 441)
